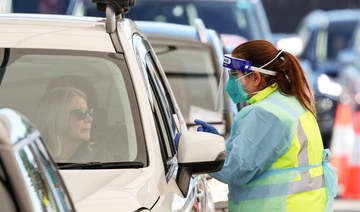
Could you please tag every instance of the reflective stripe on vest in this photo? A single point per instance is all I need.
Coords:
(271, 190)
(306, 183)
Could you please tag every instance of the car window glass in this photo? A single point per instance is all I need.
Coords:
(339, 36)
(167, 122)
(140, 52)
(82, 102)
(162, 131)
(52, 175)
(7, 202)
(40, 192)
(146, 62)
(192, 72)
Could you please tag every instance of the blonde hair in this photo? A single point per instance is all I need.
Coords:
(53, 113)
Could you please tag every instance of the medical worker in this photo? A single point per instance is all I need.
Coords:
(276, 161)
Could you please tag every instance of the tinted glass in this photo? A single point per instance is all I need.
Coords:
(40, 192)
(338, 37)
(52, 175)
(49, 87)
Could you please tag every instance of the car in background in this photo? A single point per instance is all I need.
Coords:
(319, 39)
(192, 60)
(350, 71)
(236, 20)
(139, 155)
(30, 180)
(36, 6)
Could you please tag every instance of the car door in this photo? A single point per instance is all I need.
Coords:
(165, 112)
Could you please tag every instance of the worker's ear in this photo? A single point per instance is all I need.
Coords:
(257, 78)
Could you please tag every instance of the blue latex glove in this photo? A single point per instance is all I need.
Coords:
(205, 127)
(176, 140)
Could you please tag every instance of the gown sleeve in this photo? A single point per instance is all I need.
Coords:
(257, 140)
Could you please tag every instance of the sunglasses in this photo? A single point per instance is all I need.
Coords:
(80, 114)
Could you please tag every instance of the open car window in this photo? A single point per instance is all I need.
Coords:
(82, 102)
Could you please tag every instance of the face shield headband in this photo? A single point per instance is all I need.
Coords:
(246, 66)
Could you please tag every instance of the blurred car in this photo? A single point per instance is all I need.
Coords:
(36, 6)
(133, 159)
(236, 20)
(30, 180)
(319, 38)
(192, 60)
(349, 76)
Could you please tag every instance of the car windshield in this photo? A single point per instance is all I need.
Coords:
(82, 103)
(334, 39)
(329, 41)
(192, 72)
(228, 17)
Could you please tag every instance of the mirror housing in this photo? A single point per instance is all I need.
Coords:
(198, 152)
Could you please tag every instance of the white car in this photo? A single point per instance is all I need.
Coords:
(126, 157)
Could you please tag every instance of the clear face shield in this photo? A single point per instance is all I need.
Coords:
(231, 90)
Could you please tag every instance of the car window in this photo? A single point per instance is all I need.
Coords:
(325, 44)
(150, 70)
(52, 175)
(192, 72)
(159, 97)
(337, 37)
(7, 201)
(40, 192)
(85, 97)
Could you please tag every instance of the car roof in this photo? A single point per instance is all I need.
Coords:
(318, 18)
(161, 29)
(54, 32)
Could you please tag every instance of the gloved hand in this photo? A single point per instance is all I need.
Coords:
(176, 140)
(205, 127)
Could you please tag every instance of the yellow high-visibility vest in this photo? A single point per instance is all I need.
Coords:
(295, 181)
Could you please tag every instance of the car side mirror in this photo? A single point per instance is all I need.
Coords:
(198, 152)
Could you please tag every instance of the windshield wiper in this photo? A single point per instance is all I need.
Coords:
(100, 165)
